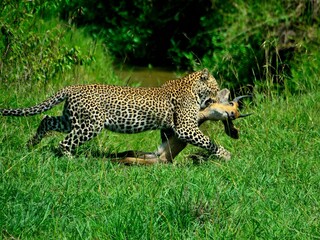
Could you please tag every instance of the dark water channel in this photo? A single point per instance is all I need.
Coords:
(146, 77)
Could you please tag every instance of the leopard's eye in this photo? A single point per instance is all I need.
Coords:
(206, 103)
(231, 104)
(209, 101)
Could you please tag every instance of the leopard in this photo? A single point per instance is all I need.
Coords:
(223, 110)
(88, 109)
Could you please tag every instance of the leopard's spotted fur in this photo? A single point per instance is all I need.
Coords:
(89, 108)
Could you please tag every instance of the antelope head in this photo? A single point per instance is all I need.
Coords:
(224, 111)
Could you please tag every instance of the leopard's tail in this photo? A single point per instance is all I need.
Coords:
(41, 107)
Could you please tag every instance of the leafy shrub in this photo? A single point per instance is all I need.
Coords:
(258, 43)
(244, 42)
(143, 32)
(247, 44)
(30, 49)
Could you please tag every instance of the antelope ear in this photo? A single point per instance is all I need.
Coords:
(223, 95)
(205, 74)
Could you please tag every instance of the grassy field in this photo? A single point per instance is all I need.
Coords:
(269, 190)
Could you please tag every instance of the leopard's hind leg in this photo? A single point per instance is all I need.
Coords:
(79, 135)
(48, 123)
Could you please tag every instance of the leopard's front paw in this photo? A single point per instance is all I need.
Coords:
(223, 154)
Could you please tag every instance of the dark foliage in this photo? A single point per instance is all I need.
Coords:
(143, 32)
(32, 50)
(245, 43)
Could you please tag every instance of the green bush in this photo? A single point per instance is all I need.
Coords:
(143, 32)
(247, 44)
(33, 49)
(260, 42)
(244, 42)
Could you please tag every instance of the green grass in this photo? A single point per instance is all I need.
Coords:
(269, 190)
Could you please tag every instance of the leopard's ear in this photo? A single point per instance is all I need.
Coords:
(205, 74)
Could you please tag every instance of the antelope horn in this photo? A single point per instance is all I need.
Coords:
(245, 115)
(237, 99)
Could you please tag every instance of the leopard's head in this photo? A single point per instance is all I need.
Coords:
(206, 87)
